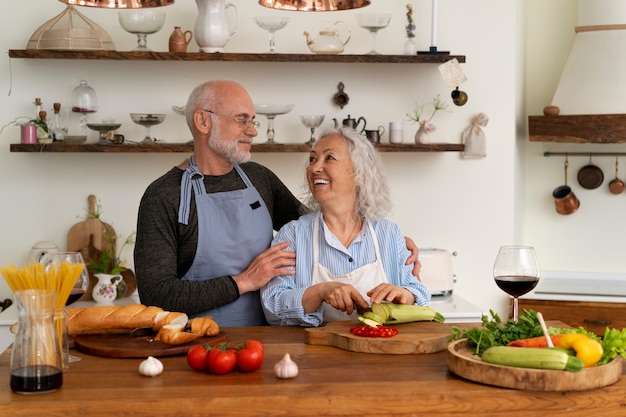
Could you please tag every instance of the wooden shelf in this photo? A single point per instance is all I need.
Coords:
(594, 128)
(188, 148)
(235, 57)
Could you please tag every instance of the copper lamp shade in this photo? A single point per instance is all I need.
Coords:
(314, 5)
(119, 4)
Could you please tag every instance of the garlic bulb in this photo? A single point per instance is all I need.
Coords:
(151, 367)
(286, 368)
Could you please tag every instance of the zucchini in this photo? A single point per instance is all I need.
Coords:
(537, 358)
(405, 313)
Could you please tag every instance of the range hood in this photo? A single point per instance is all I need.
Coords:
(592, 89)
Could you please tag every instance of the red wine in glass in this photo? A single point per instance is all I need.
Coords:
(516, 286)
(74, 296)
(516, 272)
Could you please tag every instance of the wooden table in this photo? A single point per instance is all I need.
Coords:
(332, 382)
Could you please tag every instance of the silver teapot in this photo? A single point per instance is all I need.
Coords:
(353, 123)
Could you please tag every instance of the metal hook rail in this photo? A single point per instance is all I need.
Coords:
(589, 154)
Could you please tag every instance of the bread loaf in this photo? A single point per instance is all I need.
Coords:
(169, 326)
(110, 319)
(173, 334)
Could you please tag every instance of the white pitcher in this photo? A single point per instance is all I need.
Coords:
(211, 30)
(105, 290)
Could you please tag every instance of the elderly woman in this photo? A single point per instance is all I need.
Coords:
(347, 254)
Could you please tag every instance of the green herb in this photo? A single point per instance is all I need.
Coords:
(613, 344)
(493, 332)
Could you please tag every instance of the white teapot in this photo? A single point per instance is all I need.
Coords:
(329, 40)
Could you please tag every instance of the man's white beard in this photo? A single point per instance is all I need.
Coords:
(227, 149)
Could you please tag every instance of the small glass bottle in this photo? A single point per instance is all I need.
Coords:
(409, 46)
(58, 125)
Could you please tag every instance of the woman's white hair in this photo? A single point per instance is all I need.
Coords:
(373, 200)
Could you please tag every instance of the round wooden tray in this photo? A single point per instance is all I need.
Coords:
(462, 361)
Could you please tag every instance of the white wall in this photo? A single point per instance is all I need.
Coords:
(467, 206)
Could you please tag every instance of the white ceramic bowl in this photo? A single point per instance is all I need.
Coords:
(141, 21)
(273, 109)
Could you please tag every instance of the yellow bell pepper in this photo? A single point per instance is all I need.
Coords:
(587, 349)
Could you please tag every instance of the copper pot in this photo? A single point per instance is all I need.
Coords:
(565, 200)
(616, 186)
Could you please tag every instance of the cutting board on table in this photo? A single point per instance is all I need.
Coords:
(125, 346)
(412, 338)
(78, 237)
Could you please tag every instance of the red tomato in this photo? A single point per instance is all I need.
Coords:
(251, 343)
(221, 361)
(196, 358)
(250, 358)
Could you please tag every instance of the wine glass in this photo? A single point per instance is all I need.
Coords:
(147, 120)
(312, 121)
(516, 272)
(271, 24)
(141, 23)
(270, 111)
(373, 22)
(55, 259)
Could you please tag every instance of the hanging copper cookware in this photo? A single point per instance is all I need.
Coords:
(564, 199)
(590, 176)
(616, 186)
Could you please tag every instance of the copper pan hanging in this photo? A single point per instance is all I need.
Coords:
(590, 176)
(565, 201)
(616, 186)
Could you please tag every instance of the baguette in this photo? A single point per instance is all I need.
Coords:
(173, 334)
(110, 319)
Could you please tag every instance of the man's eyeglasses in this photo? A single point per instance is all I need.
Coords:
(243, 122)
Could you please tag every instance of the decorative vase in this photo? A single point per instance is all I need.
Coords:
(105, 290)
(422, 136)
(211, 29)
(179, 40)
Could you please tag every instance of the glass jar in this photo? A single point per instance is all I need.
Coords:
(36, 362)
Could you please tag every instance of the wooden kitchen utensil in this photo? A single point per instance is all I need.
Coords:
(416, 337)
(125, 346)
(78, 238)
(461, 360)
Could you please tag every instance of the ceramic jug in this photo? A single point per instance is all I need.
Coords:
(105, 290)
(211, 30)
(179, 40)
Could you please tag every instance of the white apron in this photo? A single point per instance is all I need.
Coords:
(363, 279)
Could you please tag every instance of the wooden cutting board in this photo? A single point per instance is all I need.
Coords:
(124, 346)
(461, 361)
(412, 338)
(78, 237)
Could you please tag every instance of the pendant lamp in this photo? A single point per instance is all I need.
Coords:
(119, 4)
(314, 5)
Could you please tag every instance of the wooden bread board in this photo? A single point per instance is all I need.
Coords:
(125, 346)
(78, 237)
(412, 338)
(462, 361)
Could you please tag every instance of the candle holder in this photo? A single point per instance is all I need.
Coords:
(433, 35)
